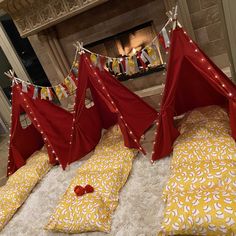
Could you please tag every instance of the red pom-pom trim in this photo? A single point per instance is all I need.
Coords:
(79, 190)
(89, 189)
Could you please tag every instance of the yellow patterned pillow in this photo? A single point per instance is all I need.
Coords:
(24, 177)
(200, 213)
(215, 148)
(80, 214)
(123, 164)
(112, 140)
(111, 154)
(207, 129)
(39, 161)
(202, 175)
(7, 210)
(107, 171)
(206, 113)
(107, 184)
(20, 184)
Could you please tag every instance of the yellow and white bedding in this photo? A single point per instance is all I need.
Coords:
(20, 184)
(201, 192)
(106, 171)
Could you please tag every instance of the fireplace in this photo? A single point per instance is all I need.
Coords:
(127, 44)
(124, 43)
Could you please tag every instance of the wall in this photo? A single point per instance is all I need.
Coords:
(208, 30)
(228, 14)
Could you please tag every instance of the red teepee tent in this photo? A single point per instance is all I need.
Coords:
(50, 124)
(193, 80)
(68, 137)
(113, 103)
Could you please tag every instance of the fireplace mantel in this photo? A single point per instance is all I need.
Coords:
(32, 16)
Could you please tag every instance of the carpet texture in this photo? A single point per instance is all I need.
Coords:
(139, 213)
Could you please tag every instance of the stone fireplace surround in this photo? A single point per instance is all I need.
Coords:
(52, 27)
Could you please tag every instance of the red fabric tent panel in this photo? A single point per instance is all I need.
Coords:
(193, 80)
(186, 99)
(86, 135)
(50, 125)
(23, 145)
(112, 103)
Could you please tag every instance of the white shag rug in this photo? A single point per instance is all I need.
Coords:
(139, 213)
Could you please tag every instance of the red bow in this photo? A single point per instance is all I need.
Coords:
(80, 191)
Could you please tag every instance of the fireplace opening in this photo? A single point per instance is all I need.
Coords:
(126, 44)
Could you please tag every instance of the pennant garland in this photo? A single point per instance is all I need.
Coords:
(62, 90)
(49, 94)
(153, 54)
(24, 87)
(149, 56)
(143, 59)
(43, 93)
(115, 66)
(164, 38)
(93, 59)
(36, 91)
(70, 84)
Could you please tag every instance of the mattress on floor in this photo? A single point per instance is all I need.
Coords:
(106, 171)
(20, 184)
(201, 191)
